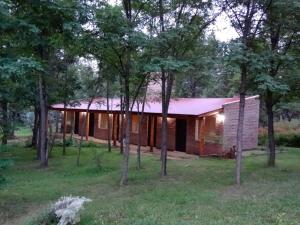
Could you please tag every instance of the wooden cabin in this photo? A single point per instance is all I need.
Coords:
(202, 126)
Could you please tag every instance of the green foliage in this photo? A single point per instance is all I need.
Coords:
(289, 140)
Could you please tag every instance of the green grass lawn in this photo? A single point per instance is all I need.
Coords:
(23, 131)
(195, 191)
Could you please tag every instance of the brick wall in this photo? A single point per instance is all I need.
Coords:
(250, 129)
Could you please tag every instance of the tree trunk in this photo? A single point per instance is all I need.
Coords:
(108, 118)
(43, 124)
(271, 139)
(72, 127)
(121, 131)
(57, 116)
(240, 126)
(64, 130)
(83, 127)
(35, 127)
(140, 116)
(125, 163)
(5, 121)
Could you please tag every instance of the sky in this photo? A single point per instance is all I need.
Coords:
(223, 30)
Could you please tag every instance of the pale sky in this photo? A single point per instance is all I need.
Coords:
(223, 29)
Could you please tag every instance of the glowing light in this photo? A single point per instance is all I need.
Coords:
(220, 118)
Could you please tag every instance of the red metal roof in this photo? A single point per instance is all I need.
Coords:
(178, 106)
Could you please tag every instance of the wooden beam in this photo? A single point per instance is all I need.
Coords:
(202, 136)
(87, 126)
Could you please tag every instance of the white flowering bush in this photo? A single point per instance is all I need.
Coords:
(66, 209)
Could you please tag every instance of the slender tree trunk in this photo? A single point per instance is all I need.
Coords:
(140, 116)
(65, 130)
(12, 124)
(122, 125)
(5, 121)
(240, 126)
(125, 163)
(57, 116)
(167, 84)
(83, 127)
(43, 124)
(35, 127)
(72, 128)
(271, 139)
(108, 118)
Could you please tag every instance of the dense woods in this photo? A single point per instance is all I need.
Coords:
(60, 51)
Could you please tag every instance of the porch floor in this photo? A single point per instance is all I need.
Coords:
(144, 149)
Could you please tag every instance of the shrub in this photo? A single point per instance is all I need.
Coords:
(88, 144)
(286, 134)
(289, 139)
(282, 139)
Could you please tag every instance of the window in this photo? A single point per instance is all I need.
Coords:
(102, 120)
(197, 130)
(135, 124)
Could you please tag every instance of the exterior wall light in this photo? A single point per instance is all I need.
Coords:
(220, 118)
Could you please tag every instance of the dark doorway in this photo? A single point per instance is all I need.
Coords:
(91, 124)
(180, 135)
(76, 127)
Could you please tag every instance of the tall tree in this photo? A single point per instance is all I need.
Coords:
(278, 55)
(177, 26)
(246, 17)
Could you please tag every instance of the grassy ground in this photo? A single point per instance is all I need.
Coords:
(23, 131)
(195, 191)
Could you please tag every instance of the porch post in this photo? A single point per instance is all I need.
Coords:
(87, 126)
(202, 136)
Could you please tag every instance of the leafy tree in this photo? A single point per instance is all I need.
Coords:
(246, 17)
(176, 26)
(278, 54)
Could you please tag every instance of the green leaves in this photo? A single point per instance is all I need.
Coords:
(266, 82)
(20, 66)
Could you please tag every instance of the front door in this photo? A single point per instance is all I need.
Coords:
(76, 127)
(180, 135)
(91, 124)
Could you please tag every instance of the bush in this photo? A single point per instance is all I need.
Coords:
(286, 134)
(289, 139)
(281, 139)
